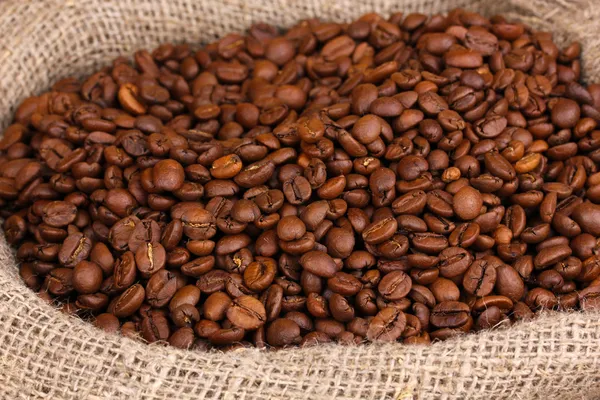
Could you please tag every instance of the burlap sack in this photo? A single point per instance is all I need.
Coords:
(46, 355)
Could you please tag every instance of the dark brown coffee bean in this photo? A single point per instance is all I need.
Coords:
(150, 258)
(467, 203)
(247, 312)
(539, 298)
(188, 294)
(444, 290)
(394, 285)
(273, 299)
(319, 263)
(260, 273)
(283, 332)
(297, 190)
(226, 336)
(161, 287)
(480, 278)
(586, 215)
(509, 283)
(74, 249)
(551, 255)
(59, 281)
(387, 325)
(379, 231)
(107, 322)
(429, 242)
(454, 261)
(464, 235)
(129, 302)
(168, 175)
(290, 228)
(87, 277)
(59, 213)
(316, 184)
(589, 298)
(155, 327)
(255, 174)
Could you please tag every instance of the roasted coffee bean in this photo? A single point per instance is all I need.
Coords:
(387, 179)
(467, 203)
(150, 258)
(480, 278)
(155, 327)
(161, 287)
(87, 277)
(387, 325)
(247, 312)
(551, 255)
(394, 285)
(454, 261)
(107, 322)
(509, 283)
(283, 332)
(129, 301)
(188, 294)
(464, 235)
(449, 314)
(589, 298)
(379, 231)
(319, 263)
(74, 249)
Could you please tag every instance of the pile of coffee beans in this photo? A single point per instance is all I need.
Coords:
(403, 179)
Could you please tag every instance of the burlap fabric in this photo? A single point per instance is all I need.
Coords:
(47, 355)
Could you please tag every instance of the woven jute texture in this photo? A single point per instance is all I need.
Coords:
(47, 355)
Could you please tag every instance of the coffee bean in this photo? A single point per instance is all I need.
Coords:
(379, 231)
(161, 287)
(107, 322)
(464, 235)
(449, 314)
(247, 313)
(216, 306)
(467, 203)
(429, 242)
(188, 294)
(326, 183)
(59, 281)
(589, 298)
(290, 228)
(454, 261)
(129, 302)
(319, 263)
(394, 285)
(59, 213)
(480, 278)
(444, 290)
(586, 215)
(540, 298)
(74, 249)
(168, 175)
(387, 325)
(87, 277)
(550, 255)
(154, 327)
(260, 273)
(150, 258)
(565, 113)
(283, 332)
(226, 167)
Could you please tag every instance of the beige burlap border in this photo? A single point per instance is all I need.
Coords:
(46, 355)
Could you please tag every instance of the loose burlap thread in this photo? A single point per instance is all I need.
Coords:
(47, 355)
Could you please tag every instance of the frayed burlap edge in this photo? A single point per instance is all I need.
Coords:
(47, 355)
